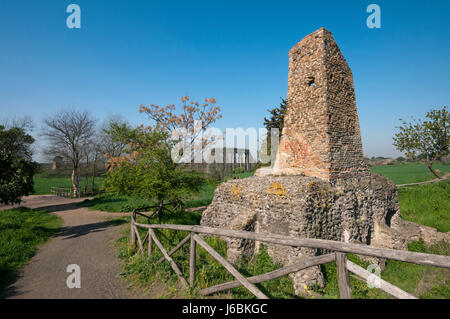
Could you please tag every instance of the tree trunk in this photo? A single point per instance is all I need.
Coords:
(75, 182)
(160, 210)
(430, 167)
(93, 178)
(86, 176)
(86, 183)
(93, 172)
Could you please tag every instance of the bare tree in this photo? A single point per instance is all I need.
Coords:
(68, 132)
(25, 123)
(93, 154)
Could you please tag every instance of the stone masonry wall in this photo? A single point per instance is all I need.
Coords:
(306, 207)
(321, 135)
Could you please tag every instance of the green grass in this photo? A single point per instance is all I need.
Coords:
(399, 173)
(409, 172)
(427, 205)
(43, 184)
(408, 276)
(113, 203)
(21, 231)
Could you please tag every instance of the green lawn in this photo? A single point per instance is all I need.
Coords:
(114, 203)
(21, 231)
(409, 172)
(43, 184)
(428, 205)
(398, 173)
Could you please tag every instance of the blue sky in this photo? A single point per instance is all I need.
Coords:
(132, 52)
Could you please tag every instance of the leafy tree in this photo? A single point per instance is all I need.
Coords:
(275, 120)
(107, 143)
(16, 165)
(147, 169)
(427, 139)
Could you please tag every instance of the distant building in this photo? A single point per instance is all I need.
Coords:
(57, 162)
(224, 160)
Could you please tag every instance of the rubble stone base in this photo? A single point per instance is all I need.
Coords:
(361, 210)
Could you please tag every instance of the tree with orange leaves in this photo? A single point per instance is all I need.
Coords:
(189, 125)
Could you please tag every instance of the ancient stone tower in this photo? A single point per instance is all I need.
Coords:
(321, 135)
(338, 199)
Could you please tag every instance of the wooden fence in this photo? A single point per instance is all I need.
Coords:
(339, 256)
(62, 191)
(68, 192)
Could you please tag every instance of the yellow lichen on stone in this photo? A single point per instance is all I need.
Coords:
(236, 191)
(277, 189)
(255, 200)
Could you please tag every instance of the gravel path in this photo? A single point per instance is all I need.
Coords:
(86, 239)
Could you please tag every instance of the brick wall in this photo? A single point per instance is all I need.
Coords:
(321, 135)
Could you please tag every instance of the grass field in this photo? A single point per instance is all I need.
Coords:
(428, 205)
(409, 172)
(21, 230)
(423, 200)
(399, 174)
(113, 203)
(43, 184)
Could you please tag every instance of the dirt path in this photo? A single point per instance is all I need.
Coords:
(436, 180)
(86, 239)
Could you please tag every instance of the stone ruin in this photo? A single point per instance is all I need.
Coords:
(321, 135)
(319, 186)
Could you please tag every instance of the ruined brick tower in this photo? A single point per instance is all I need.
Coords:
(321, 136)
(321, 139)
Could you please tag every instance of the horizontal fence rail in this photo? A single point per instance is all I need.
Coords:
(339, 257)
(68, 191)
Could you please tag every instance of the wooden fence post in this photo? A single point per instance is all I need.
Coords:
(345, 291)
(192, 261)
(168, 258)
(140, 242)
(133, 236)
(253, 289)
(150, 243)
